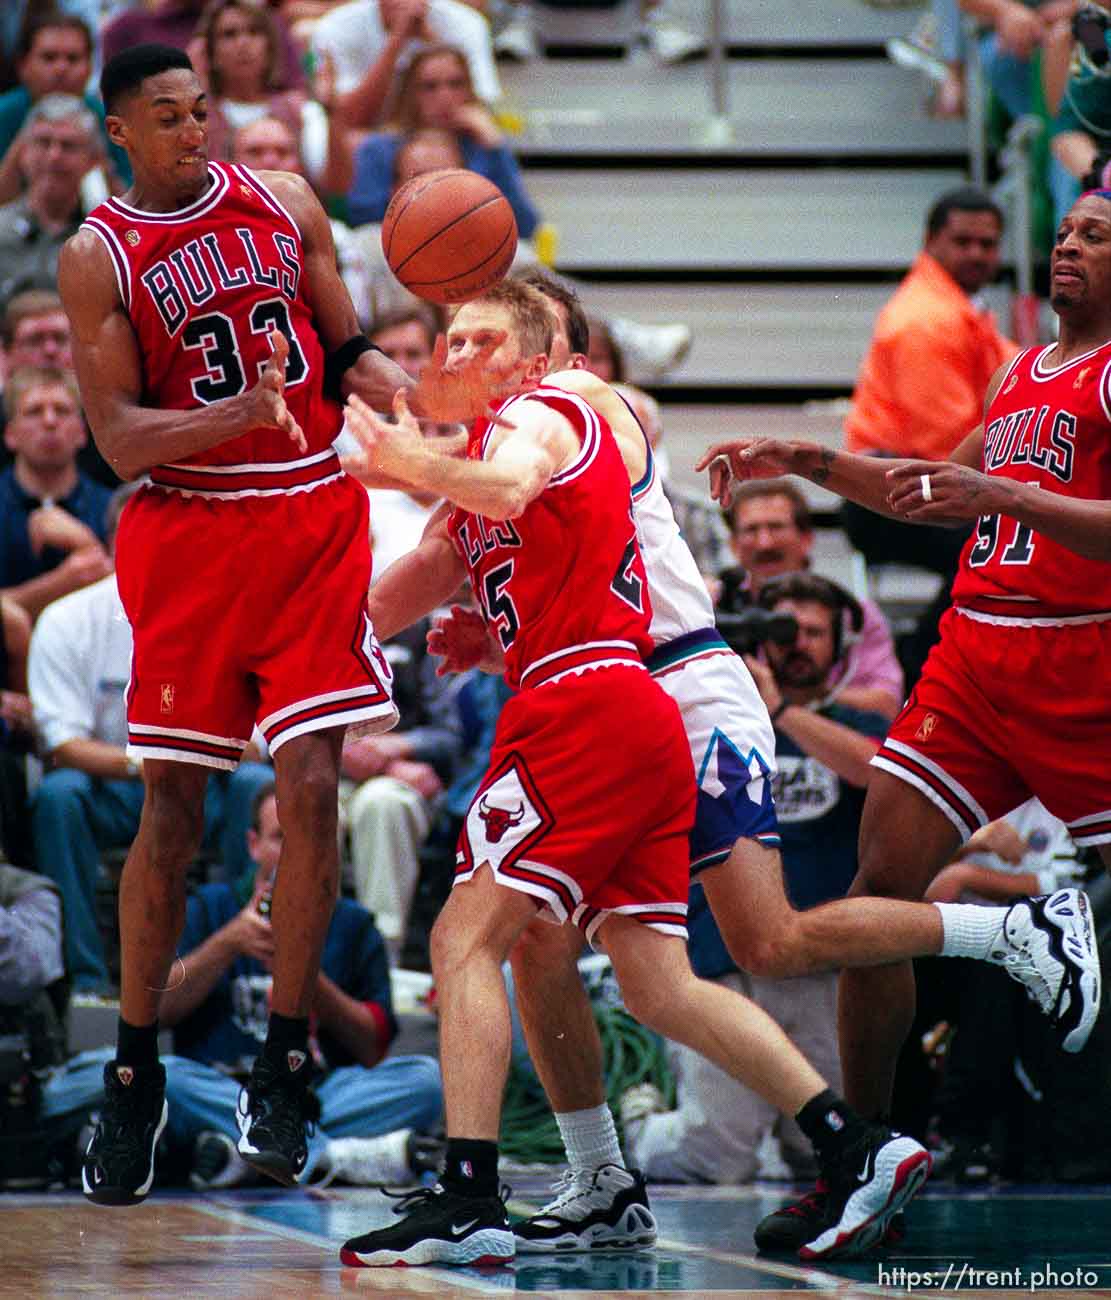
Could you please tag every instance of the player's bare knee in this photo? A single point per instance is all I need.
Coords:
(173, 814)
(543, 948)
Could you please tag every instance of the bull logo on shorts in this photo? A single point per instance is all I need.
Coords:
(499, 820)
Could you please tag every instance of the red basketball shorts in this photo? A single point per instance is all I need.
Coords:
(1004, 711)
(588, 801)
(245, 612)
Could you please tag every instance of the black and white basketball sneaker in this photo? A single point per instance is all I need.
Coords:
(793, 1225)
(118, 1168)
(1048, 944)
(866, 1189)
(606, 1209)
(274, 1112)
(438, 1227)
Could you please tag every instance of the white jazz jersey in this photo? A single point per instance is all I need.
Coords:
(680, 601)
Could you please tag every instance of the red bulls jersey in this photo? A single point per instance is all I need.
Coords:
(204, 287)
(562, 585)
(1050, 426)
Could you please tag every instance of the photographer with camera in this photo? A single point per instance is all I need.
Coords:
(823, 748)
(771, 535)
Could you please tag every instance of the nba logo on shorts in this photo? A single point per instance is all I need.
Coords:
(925, 727)
(167, 697)
(466, 1169)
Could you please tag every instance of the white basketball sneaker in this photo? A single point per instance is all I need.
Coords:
(1048, 945)
(606, 1209)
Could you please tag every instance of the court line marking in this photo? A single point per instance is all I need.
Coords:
(272, 1229)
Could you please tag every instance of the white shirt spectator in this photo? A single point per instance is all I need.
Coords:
(354, 36)
(79, 667)
(396, 524)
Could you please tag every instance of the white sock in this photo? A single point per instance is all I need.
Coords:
(970, 930)
(590, 1138)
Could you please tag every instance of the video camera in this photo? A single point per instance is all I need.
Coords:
(745, 626)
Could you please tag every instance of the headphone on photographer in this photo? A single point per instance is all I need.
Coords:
(848, 613)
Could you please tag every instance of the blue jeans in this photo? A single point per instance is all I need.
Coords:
(1007, 75)
(399, 1092)
(76, 816)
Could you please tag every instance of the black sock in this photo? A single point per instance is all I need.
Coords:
(831, 1124)
(137, 1045)
(287, 1044)
(471, 1167)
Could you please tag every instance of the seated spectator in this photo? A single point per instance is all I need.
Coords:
(91, 798)
(35, 331)
(15, 734)
(371, 1109)
(269, 144)
(398, 517)
(1081, 129)
(54, 57)
(241, 67)
(436, 92)
(51, 514)
(174, 22)
(32, 1004)
(1016, 31)
(422, 152)
(370, 41)
(822, 754)
(397, 778)
(56, 148)
(771, 535)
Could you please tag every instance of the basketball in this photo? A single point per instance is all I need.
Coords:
(447, 235)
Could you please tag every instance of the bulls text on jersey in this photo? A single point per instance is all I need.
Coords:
(1031, 437)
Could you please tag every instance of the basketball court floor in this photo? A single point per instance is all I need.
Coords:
(1011, 1241)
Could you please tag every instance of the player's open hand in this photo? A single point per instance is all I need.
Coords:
(463, 641)
(449, 394)
(940, 492)
(268, 395)
(391, 449)
(744, 458)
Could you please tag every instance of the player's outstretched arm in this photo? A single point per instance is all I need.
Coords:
(418, 582)
(372, 375)
(862, 479)
(133, 438)
(522, 464)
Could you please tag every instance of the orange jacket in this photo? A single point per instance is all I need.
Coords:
(922, 383)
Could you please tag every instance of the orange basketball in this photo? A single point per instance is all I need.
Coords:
(447, 235)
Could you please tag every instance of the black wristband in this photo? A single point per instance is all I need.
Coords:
(774, 717)
(339, 362)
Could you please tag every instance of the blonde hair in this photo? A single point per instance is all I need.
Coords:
(404, 115)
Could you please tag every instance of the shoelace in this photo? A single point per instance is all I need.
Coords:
(421, 1197)
(569, 1187)
(1021, 966)
(118, 1135)
(284, 1110)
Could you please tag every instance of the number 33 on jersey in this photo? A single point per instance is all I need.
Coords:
(204, 287)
